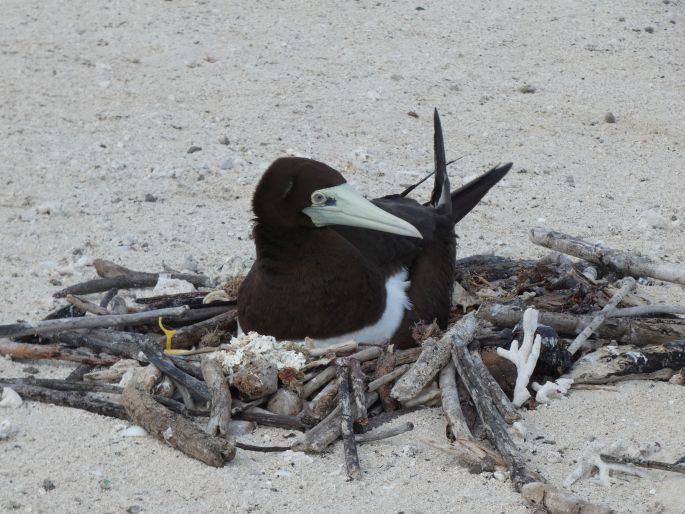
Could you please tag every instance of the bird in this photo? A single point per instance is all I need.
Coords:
(333, 266)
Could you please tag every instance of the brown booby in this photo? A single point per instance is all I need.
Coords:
(334, 266)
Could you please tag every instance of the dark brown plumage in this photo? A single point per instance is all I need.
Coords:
(318, 279)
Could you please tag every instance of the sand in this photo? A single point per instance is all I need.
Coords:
(101, 103)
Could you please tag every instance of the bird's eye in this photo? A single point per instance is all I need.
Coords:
(318, 198)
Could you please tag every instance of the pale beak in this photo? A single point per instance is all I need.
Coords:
(342, 205)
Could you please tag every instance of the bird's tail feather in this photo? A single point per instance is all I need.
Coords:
(467, 196)
(440, 198)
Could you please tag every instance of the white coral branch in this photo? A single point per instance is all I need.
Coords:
(551, 390)
(591, 459)
(524, 358)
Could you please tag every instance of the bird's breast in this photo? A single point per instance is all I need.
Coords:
(396, 303)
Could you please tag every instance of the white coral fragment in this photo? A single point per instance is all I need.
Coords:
(247, 346)
(524, 358)
(10, 398)
(551, 390)
(591, 459)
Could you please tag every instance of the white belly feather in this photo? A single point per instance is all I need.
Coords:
(380, 332)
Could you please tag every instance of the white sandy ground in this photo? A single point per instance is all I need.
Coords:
(101, 101)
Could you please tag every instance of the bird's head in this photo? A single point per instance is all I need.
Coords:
(298, 192)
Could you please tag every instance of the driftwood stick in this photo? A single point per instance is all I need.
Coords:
(493, 423)
(220, 416)
(189, 336)
(384, 433)
(325, 400)
(86, 306)
(335, 349)
(647, 310)
(469, 451)
(435, 355)
(118, 306)
(407, 356)
(358, 392)
(531, 486)
(62, 385)
(505, 407)
(166, 426)
(116, 276)
(450, 403)
(78, 372)
(644, 463)
(318, 381)
(74, 399)
(328, 373)
(43, 351)
(109, 295)
(615, 260)
(342, 369)
(51, 326)
(385, 364)
(326, 432)
(187, 398)
(579, 342)
(637, 331)
(101, 341)
(275, 420)
(387, 378)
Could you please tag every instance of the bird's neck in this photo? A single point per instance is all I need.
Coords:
(321, 249)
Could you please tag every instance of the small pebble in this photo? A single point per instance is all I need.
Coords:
(149, 197)
(228, 164)
(609, 117)
(7, 429)
(527, 89)
(649, 30)
(48, 484)
(223, 140)
(134, 509)
(194, 149)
